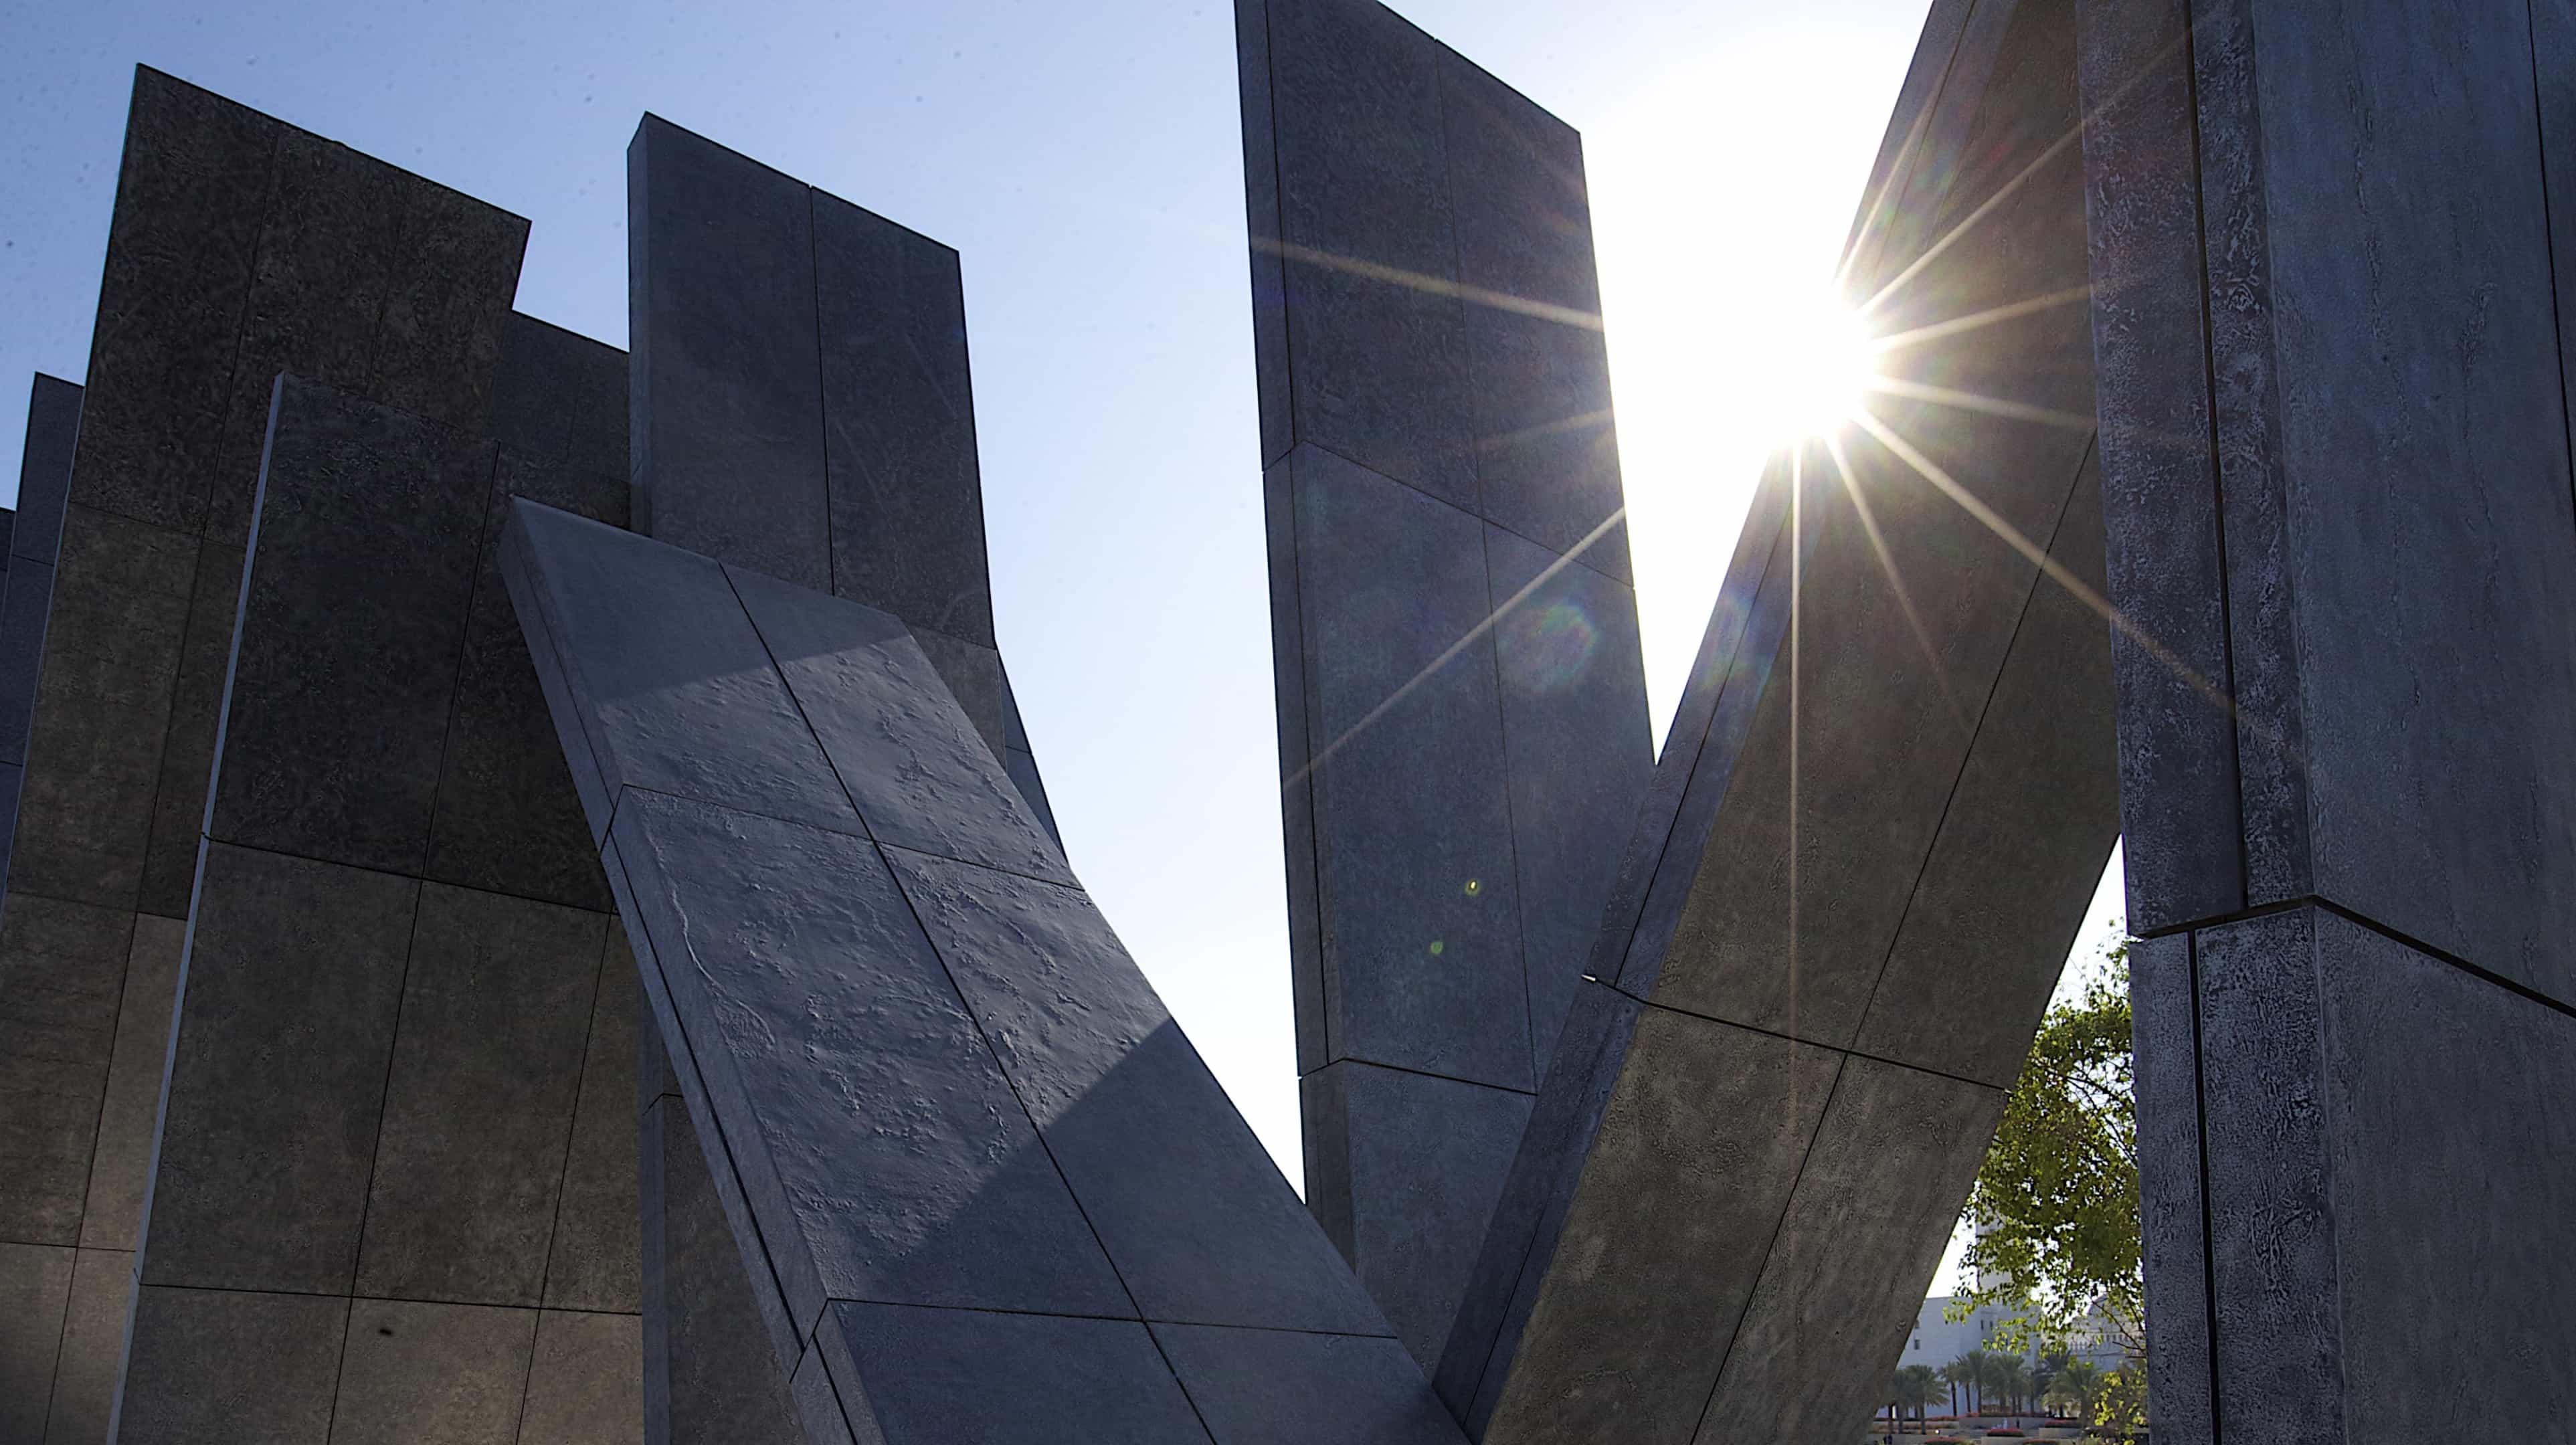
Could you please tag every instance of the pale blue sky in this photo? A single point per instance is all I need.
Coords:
(1085, 161)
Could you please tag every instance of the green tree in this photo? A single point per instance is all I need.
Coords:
(2010, 1378)
(2057, 1199)
(2075, 1389)
(1918, 1388)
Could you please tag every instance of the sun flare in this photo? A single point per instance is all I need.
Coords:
(1824, 366)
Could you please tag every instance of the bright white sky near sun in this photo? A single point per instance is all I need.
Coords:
(1085, 160)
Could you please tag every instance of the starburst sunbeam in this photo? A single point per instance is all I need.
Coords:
(1425, 282)
(1453, 649)
(1979, 402)
(1895, 581)
(1978, 320)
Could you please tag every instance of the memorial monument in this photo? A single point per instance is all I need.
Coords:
(533, 916)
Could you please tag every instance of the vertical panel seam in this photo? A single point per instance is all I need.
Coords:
(2549, 239)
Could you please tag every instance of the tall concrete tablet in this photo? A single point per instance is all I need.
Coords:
(2356, 1005)
(1885, 800)
(982, 1186)
(1462, 716)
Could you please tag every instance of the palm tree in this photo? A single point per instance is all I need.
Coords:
(1917, 1386)
(1980, 1370)
(2011, 1379)
(1963, 1371)
(2077, 1388)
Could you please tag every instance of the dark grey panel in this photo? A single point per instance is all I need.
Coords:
(45, 469)
(2416, 1056)
(920, 776)
(2002, 894)
(1411, 810)
(710, 1370)
(1264, 1387)
(129, 1115)
(35, 1288)
(1294, 702)
(592, 1265)
(2267, 1180)
(508, 818)
(469, 1162)
(188, 743)
(1580, 749)
(1261, 197)
(189, 201)
(1845, 1272)
(2179, 809)
(187, 1384)
(1632, 1352)
(879, 1145)
(26, 601)
(320, 277)
(821, 1418)
(62, 976)
(651, 667)
(121, 598)
(293, 978)
(931, 1378)
(725, 375)
(1192, 1212)
(447, 302)
(2458, 526)
(973, 673)
(1418, 1162)
(2173, 1230)
(94, 1336)
(346, 663)
(907, 514)
(582, 1387)
(1377, 343)
(559, 400)
(1023, 768)
(435, 1374)
(1528, 1216)
(1547, 458)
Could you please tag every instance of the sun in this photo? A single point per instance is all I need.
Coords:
(1823, 365)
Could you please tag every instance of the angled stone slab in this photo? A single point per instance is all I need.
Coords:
(1462, 717)
(1886, 796)
(945, 1116)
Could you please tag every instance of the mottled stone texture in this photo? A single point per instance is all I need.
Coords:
(34, 535)
(801, 404)
(390, 1095)
(972, 1166)
(399, 935)
(2337, 476)
(1882, 808)
(1462, 720)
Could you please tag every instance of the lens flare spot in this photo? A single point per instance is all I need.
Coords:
(1547, 648)
(1437, 948)
(1475, 886)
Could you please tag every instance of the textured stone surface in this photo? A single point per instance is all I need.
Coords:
(294, 977)
(651, 657)
(1459, 762)
(129, 1113)
(1424, 1153)
(451, 1374)
(879, 1145)
(725, 375)
(35, 1287)
(187, 1386)
(94, 1335)
(1193, 1214)
(1250, 1387)
(931, 1378)
(907, 513)
(582, 1386)
(592, 1263)
(920, 779)
(711, 1371)
(365, 563)
(466, 1188)
(45, 469)
(62, 972)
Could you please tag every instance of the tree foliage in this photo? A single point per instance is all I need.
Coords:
(2056, 1202)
